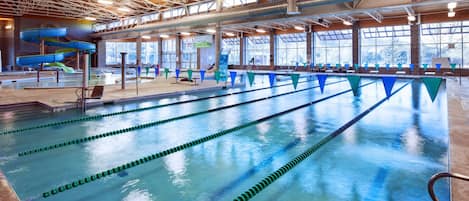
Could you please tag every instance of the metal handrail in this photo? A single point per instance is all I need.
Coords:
(442, 175)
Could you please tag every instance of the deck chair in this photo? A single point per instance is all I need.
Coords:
(96, 93)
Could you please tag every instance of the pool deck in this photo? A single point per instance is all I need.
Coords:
(6, 192)
(458, 122)
(59, 99)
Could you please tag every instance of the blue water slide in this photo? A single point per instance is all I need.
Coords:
(48, 35)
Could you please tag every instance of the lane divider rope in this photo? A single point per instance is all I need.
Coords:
(99, 116)
(254, 190)
(151, 124)
(160, 154)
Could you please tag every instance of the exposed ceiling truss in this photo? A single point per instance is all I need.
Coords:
(78, 9)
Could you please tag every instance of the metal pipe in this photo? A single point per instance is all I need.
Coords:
(439, 176)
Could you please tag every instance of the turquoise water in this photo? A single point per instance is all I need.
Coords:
(388, 155)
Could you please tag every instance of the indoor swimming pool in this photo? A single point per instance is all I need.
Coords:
(220, 146)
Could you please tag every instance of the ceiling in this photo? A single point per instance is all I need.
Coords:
(79, 9)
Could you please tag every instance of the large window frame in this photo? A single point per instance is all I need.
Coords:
(149, 53)
(114, 49)
(445, 39)
(169, 53)
(232, 47)
(188, 53)
(290, 49)
(333, 47)
(257, 47)
(385, 45)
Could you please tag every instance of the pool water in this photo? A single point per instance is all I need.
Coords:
(390, 154)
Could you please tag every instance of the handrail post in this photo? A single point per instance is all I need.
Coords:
(440, 175)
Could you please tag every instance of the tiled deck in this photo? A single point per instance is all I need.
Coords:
(458, 112)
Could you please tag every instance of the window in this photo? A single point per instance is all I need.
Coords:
(231, 46)
(150, 17)
(386, 45)
(99, 27)
(232, 3)
(257, 50)
(149, 53)
(175, 12)
(290, 49)
(169, 53)
(333, 47)
(202, 8)
(189, 53)
(445, 40)
(113, 50)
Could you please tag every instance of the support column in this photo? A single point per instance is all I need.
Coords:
(178, 51)
(272, 49)
(101, 52)
(139, 51)
(123, 64)
(84, 81)
(356, 43)
(160, 51)
(198, 58)
(309, 46)
(415, 46)
(217, 45)
(241, 49)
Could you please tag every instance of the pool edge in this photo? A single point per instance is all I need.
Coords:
(6, 191)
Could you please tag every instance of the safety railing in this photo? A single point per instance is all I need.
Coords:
(442, 175)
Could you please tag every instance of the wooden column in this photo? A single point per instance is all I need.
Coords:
(217, 45)
(178, 51)
(160, 51)
(241, 49)
(415, 46)
(272, 49)
(356, 43)
(309, 46)
(139, 51)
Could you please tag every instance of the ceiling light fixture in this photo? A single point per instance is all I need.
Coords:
(185, 33)
(348, 23)
(164, 36)
(451, 14)
(299, 28)
(90, 18)
(411, 18)
(260, 31)
(230, 34)
(211, 31)
(124, 9)
(452, 5)
(146, 37)
(8, 26)
(106, 2)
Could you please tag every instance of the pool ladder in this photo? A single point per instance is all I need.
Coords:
(442, 175)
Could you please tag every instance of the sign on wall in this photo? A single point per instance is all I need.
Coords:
(203, 41)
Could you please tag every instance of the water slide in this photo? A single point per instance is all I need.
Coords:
(49, 36)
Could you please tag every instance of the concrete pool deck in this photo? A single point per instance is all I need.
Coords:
(458, 123)
(62, 98)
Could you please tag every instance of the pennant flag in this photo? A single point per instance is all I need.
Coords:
(354, 81)
(312, 66)
(166, 72)
(202, 75)
(177, 73)
(337, 66)
(233, 78)
(251, 78)
(425, 66)
(322, 81)
(388, 83)
(305, 65)
(271, 79)
(147, 70)
(139, 71)
(356, 66)
(217, 76)
(433, 85)
(388, 66)
(399, 66)
(189, 74)
(297, 65)
(366, 67)
(438, 67)
(347, 66)
(294, 79)
(377, 67)
(157, 71)
(411, 66)
(328, 66)
(453, 67)
(320, 65)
